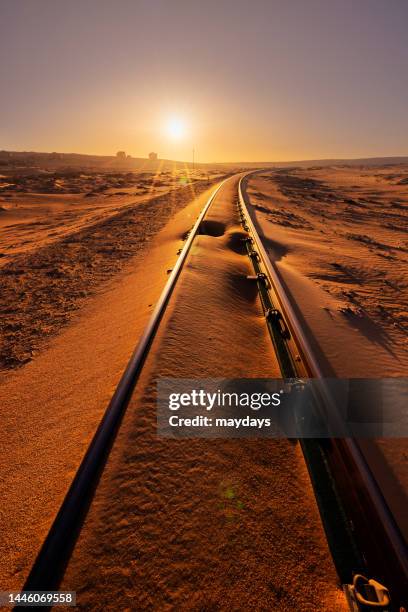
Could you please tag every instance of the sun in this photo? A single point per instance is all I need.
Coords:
(175, 128)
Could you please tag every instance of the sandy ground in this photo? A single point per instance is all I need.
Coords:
(205, 525)
(40, 208)
(51, 405)
(338, 238)
(58, 245)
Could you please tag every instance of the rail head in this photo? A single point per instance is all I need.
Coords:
(348, 446)
(49, 566)
(299, 338)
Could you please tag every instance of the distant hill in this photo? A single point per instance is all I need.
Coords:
(58, 161)
(54, 161)
(364, 161)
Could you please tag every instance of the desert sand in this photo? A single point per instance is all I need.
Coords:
(338, 237)
(185, 524)
(198, 524)
(52, 402)
(63, 234)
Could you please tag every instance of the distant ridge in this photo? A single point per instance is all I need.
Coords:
(363, 161)
(54, 159)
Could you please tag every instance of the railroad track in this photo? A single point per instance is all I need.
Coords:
(361, 532)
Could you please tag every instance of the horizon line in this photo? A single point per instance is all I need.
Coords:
(198, 163)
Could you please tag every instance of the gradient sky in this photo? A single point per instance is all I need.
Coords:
(254, 80)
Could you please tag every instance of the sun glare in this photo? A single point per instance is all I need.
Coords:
(175, 128)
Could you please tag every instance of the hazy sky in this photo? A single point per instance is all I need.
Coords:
(251, 80)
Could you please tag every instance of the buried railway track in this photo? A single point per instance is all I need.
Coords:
(362, 535)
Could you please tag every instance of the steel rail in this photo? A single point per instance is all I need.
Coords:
(49, 566)
(286, 308)
(383, 548)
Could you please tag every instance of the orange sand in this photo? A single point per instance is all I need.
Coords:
(338, 238)
(51, 406)
(205, 525)
(59, 248)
